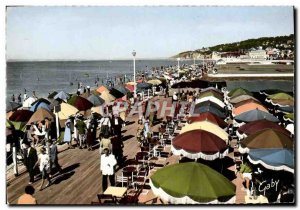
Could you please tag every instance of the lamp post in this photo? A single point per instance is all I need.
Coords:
(178, 59)
(134, 90)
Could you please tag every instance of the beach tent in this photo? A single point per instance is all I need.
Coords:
(66, 110)
(266, 139)
(192, 183)
(96, 100)
(16, 125)
(197, 144)
(273, 159)
(143, 86)
(255, 126)
(254, 115)
(208, 104)
(248, 107)
(107, 97)
(27, 103)
(207, 126)
(102, 88)
(285, 109)
(62, 96)
(208, 116)
(40, 115)
(212, 99)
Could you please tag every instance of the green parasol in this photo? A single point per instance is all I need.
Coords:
(238, 92)
(192, 183)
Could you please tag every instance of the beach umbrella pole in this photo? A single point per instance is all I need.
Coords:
(57, 125)
(14, 150)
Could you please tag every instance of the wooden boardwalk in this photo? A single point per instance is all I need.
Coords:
(81, 180)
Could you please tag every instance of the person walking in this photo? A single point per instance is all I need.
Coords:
(19, 98)
(54, 165)
(108, 161)
(90, 137)
(27, 198)
(44, 166)
(105, 143)
(30, 158)
(68, 134)
(81, 127)
(13, 98)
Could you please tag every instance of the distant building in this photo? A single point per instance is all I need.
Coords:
(258, 54)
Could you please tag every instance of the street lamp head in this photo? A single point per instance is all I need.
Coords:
(134, 53)
(178, 59)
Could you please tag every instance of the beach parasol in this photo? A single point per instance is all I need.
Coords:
(191, 84)
(285, 109)
(290, 128)
(13, 106)
(241, 98)
(213, 89)
(143, 86)
(98, 110)
(207, 126)
(254, 115)
(40, 103)
(80, 103)
(280, 99)
(117, 94)
(238, 92)
(101, 89)
(27, 103)
(255, 126)
(268, 92)
(192, 183)
(154, 82)
(21, 116)
(96, 100)
(273, 159)
(212, 109)
(208, 116)
(197, 144)
(16, 125)
(107, 97)
(207, 104)
(40, 115)
(130, 87)
(266, 139)
(250, 100)
(66, 110)
(212, 99)
(130, 83)
(51, 95)
(62, 96)
(211, 93)
(248, 107)
(289, 117)
(122, 89)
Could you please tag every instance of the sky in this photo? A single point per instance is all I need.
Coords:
(95, 33)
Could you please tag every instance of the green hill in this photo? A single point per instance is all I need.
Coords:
(279, 42)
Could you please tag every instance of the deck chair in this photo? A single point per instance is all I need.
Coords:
(123, 180)
(106, 199)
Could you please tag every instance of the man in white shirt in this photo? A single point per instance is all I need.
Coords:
(107, 163)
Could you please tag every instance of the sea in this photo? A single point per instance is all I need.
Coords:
(44, 77)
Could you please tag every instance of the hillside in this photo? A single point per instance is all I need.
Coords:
(279, 42)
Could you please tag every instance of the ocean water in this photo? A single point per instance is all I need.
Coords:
(46, 77)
